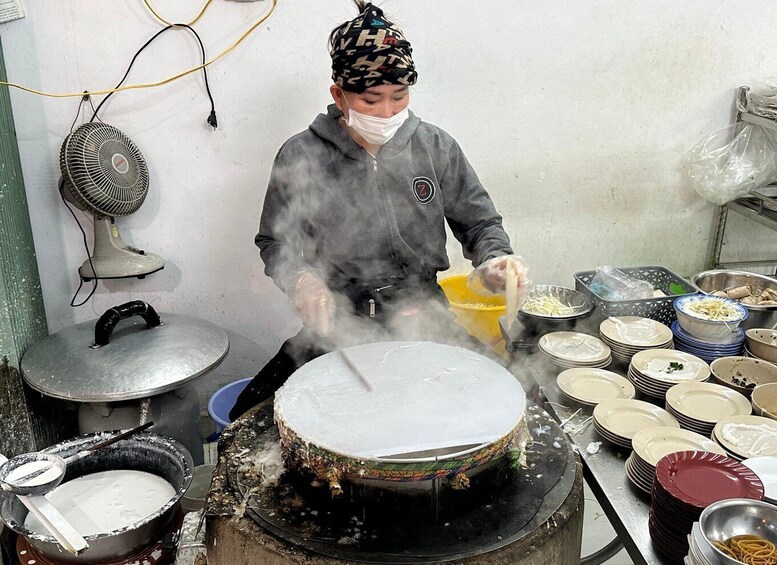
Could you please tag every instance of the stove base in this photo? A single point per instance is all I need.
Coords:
(557, 542)
(518, 528)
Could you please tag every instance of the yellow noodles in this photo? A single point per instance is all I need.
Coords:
(749, 549)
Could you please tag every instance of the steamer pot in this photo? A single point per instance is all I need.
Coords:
(144, 452)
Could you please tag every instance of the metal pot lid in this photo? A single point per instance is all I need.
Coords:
(138, 361)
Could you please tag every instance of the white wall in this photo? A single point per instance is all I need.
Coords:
(577, 116)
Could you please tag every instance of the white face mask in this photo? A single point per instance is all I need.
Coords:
(376, 131)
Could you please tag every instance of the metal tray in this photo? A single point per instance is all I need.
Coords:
(659, 309)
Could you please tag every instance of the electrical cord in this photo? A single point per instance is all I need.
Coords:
(164, 21)
(88, 253)
(212, 121)
(150, 84)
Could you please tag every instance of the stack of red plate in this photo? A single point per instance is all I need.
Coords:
(686, 483)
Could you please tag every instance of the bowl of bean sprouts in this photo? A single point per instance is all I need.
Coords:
(550, 308)
(709, 318)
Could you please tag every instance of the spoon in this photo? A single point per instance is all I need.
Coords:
(48, 468)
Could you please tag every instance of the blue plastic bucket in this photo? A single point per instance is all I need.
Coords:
(223, 400)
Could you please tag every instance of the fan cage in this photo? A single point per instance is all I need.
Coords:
(104, 170)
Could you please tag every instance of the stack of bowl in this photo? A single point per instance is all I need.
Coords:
(578, 304)
(704, 337)
(762, 344)
(764, 316)
(725, 519)
(743, 374)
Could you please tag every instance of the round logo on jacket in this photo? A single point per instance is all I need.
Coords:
(423, 188)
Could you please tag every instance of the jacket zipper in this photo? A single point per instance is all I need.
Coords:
(374, 165)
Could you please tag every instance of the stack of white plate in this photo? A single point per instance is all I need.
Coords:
(744, 437)
(628, 335)
(592, 386)
(619, 420)
(651, 444)
(574, 349)
(655, 371)
(699, 406)
(766, 469)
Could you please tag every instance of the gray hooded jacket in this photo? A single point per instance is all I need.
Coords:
(332, 207)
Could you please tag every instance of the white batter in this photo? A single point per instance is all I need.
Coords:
(50, 473)
(107, 501)
(424, 396)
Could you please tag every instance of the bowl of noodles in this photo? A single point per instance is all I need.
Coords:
(550, 308)
(709, 318)
(741, 530)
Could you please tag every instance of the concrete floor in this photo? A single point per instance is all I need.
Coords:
(597, 531)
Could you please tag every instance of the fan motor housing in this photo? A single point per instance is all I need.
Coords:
(103, 170)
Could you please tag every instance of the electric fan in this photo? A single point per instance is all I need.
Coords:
(104, 173)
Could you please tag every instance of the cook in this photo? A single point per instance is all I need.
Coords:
(353, 224)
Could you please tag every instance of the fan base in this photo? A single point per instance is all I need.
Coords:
(121, 267)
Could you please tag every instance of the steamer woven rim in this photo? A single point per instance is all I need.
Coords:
(332, 468)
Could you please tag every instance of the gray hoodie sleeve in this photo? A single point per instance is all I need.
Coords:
(470, 212)
(279, 238)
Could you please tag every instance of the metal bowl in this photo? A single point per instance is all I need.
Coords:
(143, 452)
(722, 279)
(737, 516)
(539, 323)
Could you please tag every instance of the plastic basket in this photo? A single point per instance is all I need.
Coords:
(659, 308)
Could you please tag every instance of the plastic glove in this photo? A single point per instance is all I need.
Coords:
(493, 274)
(314, 302)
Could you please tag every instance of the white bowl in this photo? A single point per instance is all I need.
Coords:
(704, 329)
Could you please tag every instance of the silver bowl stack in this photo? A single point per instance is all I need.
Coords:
(722, 279)
(541, 323)
(725, 519)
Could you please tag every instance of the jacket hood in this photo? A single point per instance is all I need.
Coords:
(327, 127)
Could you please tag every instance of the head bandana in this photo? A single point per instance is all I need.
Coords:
(371, 51)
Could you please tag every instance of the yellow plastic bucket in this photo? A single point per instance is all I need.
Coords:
(477, 313)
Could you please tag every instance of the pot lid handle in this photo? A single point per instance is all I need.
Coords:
(104, 327)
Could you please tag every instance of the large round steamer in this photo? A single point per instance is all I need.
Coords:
(130, 363)
(147, 452)
(435, 416)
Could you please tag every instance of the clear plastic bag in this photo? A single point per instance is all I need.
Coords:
(611, 284)
(732, 162)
